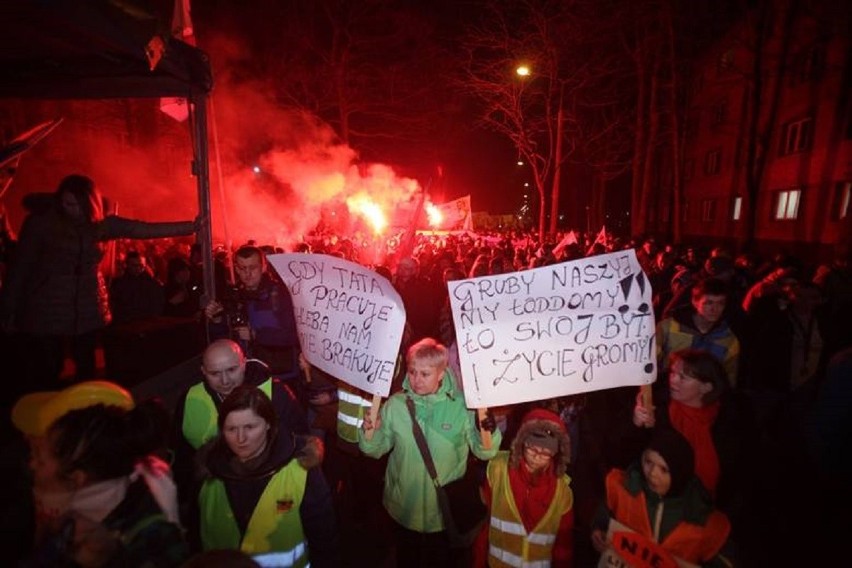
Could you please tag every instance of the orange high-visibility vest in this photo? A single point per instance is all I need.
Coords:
(692, 543)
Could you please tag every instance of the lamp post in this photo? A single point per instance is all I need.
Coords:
(523, 71)
(557, 166)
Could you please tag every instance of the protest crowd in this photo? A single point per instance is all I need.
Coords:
(731, 454)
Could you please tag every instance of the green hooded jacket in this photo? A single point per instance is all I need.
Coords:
(450, 430)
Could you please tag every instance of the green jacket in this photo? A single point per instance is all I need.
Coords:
(449, 428)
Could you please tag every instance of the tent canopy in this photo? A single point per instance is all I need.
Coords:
(96, 49)
(59, 49)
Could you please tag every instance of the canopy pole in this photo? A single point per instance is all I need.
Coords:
(200, 167)
(229, 249)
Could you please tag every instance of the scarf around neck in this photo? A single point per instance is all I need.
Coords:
(97, 500)
(696, 426)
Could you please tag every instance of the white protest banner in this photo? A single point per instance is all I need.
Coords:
(456, 214)
(349, 318)
(552, 331)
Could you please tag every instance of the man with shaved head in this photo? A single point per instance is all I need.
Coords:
(224, 367)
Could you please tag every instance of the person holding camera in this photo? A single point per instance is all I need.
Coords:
(258, 314)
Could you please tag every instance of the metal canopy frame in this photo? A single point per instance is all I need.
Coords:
(96, 49)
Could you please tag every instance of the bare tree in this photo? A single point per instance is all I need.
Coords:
(677, 109)
(566, 109)
(524, 108)
(765, 84)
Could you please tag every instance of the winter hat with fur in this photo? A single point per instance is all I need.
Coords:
(544, 429)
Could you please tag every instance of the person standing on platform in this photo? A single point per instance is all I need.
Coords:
(55, 294)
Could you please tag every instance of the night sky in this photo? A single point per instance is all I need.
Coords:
(278, 106)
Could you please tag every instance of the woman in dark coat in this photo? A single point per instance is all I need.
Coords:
(55, 291)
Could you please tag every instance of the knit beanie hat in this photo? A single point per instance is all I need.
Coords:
(673, 447)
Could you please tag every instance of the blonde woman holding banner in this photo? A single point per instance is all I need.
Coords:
(450, 431)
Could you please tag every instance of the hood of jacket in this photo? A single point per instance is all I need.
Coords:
(446, 389)
(693, 503)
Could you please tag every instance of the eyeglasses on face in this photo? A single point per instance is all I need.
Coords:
(538, 452)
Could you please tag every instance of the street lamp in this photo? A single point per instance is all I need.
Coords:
(523, 70)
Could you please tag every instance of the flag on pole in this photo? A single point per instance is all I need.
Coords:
(26, 140)
(569, 239)
(601, 239)
(182, 22)
(177, 107)
(407, 242)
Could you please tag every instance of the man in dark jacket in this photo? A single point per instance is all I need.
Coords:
(258, 314)
(136, 294)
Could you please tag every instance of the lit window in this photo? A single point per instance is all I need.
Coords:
(844, 196)
(737, 208)
(787, 204)
(796, 136)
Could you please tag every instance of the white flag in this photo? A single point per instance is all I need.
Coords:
(457, 214)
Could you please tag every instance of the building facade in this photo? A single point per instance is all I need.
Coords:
(769, 132)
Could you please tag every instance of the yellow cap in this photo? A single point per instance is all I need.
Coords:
(35, 412)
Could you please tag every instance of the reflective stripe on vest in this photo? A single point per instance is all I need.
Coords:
(507, 557)
(510, 544)
(275, 524)
(351, 408)
(353, 398)
(282, 558)
(519, 530)
(200, 416)
(346, 419)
